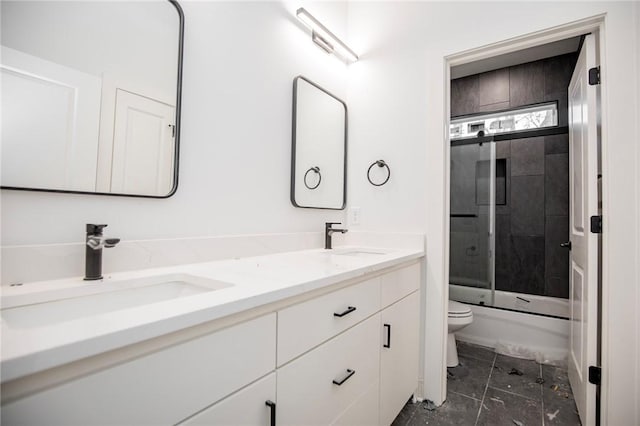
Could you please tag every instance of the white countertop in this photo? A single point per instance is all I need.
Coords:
(257, 281)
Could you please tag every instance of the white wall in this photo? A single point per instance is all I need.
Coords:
(397, 101)
(240, 61)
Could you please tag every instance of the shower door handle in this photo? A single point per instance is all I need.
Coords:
(566, 245)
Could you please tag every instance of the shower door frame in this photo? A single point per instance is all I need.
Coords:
(491, 258)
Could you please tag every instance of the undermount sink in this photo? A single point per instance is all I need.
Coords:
(358, 252)
(51, 307)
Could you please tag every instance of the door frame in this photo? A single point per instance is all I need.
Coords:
(596, 25)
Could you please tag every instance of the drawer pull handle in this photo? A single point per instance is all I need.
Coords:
(348, 311)
(272, 405)
(345, 378)
(388, 344)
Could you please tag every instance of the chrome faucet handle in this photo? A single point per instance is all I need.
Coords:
(95, 242)
(98, 242)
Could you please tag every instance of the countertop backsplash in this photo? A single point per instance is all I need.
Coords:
(28, 263)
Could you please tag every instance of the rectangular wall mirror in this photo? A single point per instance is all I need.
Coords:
(319, 147)
(91, 96)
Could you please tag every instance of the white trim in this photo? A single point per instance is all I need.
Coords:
(557, 33)
(636, 7)
(568, 30)
(445, 220)
(604, 271)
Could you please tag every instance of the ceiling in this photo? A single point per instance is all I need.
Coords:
(519, 57)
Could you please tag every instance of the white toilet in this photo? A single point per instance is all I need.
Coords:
(460, 316)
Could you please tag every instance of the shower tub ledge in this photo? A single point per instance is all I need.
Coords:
(518, 334)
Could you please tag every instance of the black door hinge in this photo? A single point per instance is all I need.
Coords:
(595, 375)
(596, 224)
(594, 76)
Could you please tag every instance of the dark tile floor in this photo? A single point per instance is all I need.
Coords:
(493, 390)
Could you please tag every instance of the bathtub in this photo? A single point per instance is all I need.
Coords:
(524, 335)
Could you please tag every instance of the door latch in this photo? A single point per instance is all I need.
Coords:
(594, 76)
(596, 224)
(595, 375)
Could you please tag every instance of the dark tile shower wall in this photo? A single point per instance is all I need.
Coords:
(533, 223)
(534, 219)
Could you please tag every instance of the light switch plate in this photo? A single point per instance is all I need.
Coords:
(354, 216)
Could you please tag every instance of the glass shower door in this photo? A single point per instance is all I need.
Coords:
(472, 236)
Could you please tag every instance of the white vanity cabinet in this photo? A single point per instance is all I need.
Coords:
(368, 369)
(343, 357)
(160, 388)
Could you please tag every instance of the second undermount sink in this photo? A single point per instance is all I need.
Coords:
(88, 300)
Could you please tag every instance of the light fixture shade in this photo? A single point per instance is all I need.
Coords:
(325, 38)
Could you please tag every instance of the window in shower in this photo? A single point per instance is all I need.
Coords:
(528, 118)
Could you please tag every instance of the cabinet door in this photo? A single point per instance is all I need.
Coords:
(246, 407)
(399, 357)
(363, 412)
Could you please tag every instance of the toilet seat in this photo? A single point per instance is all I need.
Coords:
(459, 310)
(459, 317)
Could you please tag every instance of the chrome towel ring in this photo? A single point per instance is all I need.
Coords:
(313, 169)
(379, 163)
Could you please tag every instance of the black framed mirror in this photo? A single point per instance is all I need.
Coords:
(91, 96)
(318, 148)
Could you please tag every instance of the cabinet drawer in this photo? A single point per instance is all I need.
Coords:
(306, 325)
(307, 394)
(163, 387)
(397, 284)
(364, 411)
(246, 407)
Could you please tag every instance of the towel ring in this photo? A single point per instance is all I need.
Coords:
(379, 163)
(313, 169)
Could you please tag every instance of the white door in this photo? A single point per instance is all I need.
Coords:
(50, 119)
(143, 145)
(583, 204)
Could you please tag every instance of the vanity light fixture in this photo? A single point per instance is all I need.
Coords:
(325, 38)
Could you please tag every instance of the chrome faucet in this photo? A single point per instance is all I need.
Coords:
(328, 231)
(95, 242)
